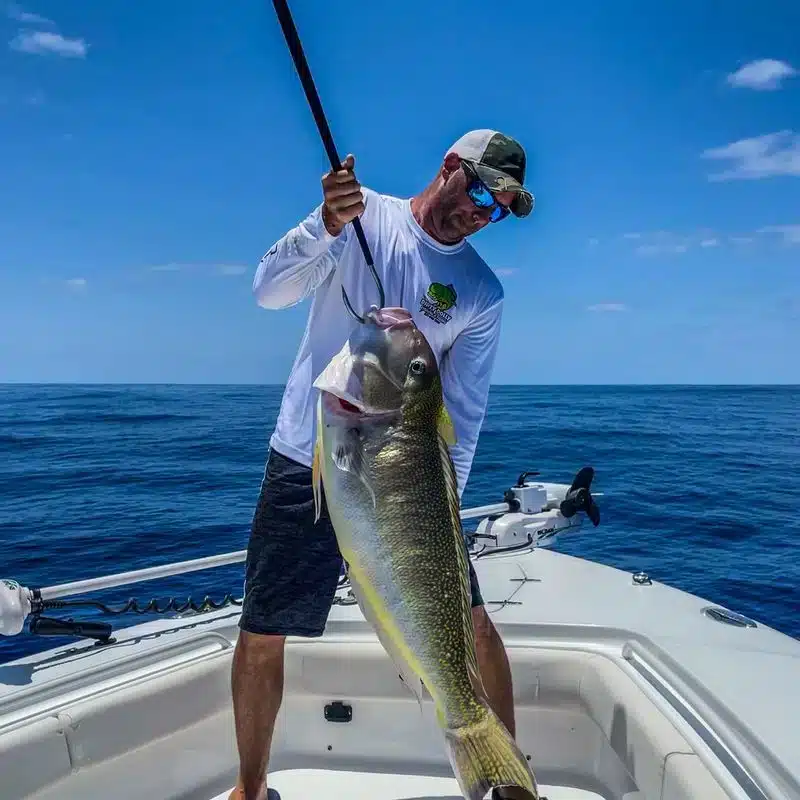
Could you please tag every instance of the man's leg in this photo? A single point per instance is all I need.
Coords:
(257, 684)
(492, 659)
(494, 667)
(292, 569)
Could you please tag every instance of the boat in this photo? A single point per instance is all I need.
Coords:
(625, 688)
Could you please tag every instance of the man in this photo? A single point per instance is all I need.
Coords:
(426, 266)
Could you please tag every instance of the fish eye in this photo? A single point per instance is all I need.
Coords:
(417, 367)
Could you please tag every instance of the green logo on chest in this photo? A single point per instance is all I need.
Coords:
(443, 296)
(437, 302)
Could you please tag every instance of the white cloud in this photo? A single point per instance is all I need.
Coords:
(661, 243)
(663, 248)
(594, 241)
(231, 269)
(167, 267)
(758, 157)
(657, 243)
(76, 283)
(790, 233)
(664, 243)
(209, 269)
(45, 42)
(20, 15)
(765, 74)
(504, 272)
(608, 307)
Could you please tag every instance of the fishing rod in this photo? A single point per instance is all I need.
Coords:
(304, 73)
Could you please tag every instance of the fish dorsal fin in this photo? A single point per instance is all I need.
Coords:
(445, 426)
(316, 475)
(462, 556)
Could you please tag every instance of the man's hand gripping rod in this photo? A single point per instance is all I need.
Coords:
(304, 73)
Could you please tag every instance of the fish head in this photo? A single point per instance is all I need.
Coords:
(384, 366)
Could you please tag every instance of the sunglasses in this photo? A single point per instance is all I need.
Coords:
(481, 197)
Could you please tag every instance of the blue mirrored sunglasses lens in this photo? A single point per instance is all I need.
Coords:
(480, 195)
(499, 213)
(483, 198)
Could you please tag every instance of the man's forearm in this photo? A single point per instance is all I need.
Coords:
(297, 263)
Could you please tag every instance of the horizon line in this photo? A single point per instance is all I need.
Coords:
(732, 384)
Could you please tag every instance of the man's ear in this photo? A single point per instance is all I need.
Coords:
(450, 164)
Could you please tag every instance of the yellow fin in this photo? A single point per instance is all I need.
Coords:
(462, 557)
(316, 475)
(445, 426)
(379, 618)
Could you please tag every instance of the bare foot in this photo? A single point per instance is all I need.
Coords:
(238, 794)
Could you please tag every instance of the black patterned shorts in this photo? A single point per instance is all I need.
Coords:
(293, 565)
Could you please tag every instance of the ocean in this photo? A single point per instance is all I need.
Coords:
(701, 487)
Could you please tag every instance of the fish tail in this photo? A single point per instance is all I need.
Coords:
(484, 756)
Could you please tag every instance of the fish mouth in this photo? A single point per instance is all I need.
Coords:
(350, 408)
(391, 318)
(345, 406)
(342, 403)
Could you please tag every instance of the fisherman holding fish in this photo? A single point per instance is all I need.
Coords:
(450, 331)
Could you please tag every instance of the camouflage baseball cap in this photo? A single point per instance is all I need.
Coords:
(499, 161)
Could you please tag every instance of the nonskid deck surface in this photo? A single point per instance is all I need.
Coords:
(294, 784)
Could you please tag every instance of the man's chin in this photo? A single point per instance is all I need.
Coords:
(453, 232)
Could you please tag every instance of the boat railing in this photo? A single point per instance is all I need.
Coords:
(196, 564)
(18, 603)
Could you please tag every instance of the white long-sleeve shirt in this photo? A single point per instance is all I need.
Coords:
(463, 335)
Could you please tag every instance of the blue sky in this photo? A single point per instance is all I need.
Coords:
(153, 151)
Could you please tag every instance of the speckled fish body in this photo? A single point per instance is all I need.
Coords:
(382, 460)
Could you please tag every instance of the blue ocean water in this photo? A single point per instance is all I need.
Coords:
(701, 484)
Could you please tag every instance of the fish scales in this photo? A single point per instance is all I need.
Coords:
(422, 536)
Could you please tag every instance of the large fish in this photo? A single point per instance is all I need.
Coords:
(381, 457)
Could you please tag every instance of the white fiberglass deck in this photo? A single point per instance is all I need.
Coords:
(622, 692)
(346, 785)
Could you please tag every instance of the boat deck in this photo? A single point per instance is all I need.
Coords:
(623, 690)
(345, 785)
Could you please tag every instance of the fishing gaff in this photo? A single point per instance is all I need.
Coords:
(304, 73)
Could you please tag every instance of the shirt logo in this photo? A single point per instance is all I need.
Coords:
(437, 301)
